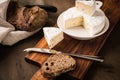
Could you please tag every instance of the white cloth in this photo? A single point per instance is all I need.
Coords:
(8, 35)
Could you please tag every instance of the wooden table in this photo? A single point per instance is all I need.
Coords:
(13, 66)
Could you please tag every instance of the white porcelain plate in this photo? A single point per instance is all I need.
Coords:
(79, 32)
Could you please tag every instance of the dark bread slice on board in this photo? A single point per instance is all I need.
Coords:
(57, 64)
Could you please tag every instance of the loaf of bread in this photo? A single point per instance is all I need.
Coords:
(28, 19)
(57, 64)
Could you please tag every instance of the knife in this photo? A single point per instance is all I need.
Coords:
(52, 51)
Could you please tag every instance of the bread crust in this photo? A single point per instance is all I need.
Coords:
(27, 19)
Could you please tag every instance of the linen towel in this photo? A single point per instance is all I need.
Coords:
(8, 35)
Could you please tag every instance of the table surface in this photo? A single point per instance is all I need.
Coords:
(14, 67)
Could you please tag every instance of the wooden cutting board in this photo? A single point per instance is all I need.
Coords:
(91, 47)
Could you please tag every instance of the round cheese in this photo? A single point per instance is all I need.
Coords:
(93, 24)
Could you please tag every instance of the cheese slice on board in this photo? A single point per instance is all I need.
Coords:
(53, 36)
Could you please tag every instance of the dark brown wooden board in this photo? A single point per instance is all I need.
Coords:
(91, 47)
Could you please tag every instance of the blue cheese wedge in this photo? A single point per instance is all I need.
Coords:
(53, 36)
(86, 6)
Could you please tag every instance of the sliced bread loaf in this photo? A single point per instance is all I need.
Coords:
(57, 64)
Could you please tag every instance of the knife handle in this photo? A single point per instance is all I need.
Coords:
(46, 7)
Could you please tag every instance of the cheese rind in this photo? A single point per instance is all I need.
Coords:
(87, 7)
(94, 24)
(53, 36)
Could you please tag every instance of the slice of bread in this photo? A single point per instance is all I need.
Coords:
(57, 64)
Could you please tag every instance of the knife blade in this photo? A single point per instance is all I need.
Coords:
(52, 51)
